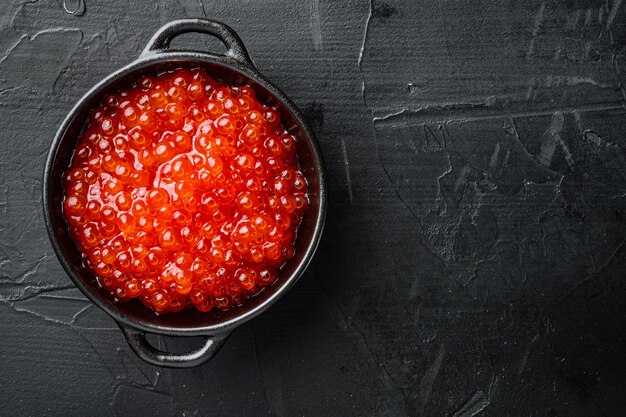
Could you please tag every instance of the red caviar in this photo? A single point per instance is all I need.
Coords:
(184, 192)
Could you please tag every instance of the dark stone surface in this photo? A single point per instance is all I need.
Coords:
(474, 255)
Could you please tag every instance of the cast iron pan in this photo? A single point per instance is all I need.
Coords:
(235, 67)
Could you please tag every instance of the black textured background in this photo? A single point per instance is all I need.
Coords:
(474, 254)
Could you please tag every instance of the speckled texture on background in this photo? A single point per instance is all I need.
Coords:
(474, 255)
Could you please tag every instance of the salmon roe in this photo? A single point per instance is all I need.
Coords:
(184, 192)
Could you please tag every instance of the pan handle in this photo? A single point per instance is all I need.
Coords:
(140, 345)
(163, 37)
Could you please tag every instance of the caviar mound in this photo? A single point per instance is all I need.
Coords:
(184, 192)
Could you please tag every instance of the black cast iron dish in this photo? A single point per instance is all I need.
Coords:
(234, 67)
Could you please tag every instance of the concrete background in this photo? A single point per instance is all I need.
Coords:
(474, 255)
